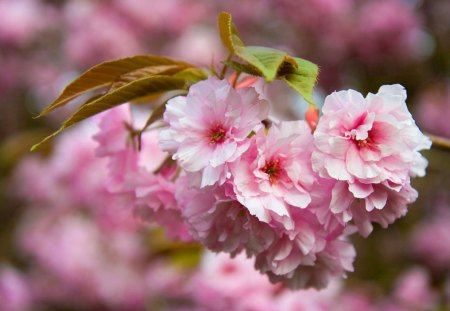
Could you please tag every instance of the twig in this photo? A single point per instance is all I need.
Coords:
(439, 142)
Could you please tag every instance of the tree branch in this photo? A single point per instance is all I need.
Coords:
(439, 142)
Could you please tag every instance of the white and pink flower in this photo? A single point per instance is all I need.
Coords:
(372, 145)
(209, 128)
(275, 173)
(220, 222)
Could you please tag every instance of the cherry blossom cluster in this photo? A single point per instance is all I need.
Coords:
(237, 182)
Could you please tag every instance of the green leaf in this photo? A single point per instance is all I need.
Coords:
(266, 61)
(228, 33)
(301, 78)
(269, 63)
(107, 73)
(139, 88)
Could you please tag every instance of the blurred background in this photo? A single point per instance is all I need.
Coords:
(67, 244)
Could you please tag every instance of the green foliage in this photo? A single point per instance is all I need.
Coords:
(269, 63)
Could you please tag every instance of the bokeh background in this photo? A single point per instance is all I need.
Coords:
(67, 244)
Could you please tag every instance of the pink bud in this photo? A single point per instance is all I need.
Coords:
(312, 117)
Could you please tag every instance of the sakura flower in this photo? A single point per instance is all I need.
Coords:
(372, 144)
(372, 139)
(223, 283)
(115, 143)
(381, 205)
(390, 30)
(208, 128)
(103, 267)
(431, 241)
(131, 177)
(275, 173)
(413, 290)
(15, 292)
(308, 256)
(154, 200)
(221, 223)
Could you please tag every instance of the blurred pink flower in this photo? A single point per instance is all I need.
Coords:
(21, 20)
(413, 291)
(131, 172)
(96, 34)
(387, 30)
(101, 266)
(15, 291)
(431, 241)
(224, 283)
(69, 183)
(213, 121)
(153, 16)
(433, 110)
(155, 201)
(116, 144)
(231, 284)
(198, 45)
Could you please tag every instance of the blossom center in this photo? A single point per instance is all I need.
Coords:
(217, 135)
(363, 143)
(273, 169)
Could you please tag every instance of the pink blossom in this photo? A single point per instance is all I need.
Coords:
(390, 29)
(20, 20)
(275, 172)
(15, 292)
(69, 183)
(77, 255)
(208, 128)
(383, 205)
(131, 176)
(413, 290)
(431, 241)
(198, 45)
(153, 16)
(155, 201)
(95, 26)
(372, 144)
(231, 284)
(115, 142)
(219, 222)
(310, 258)
(433, 110)
(224, 283)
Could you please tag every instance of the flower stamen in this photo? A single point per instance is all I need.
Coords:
(217, 135)
(272, 168)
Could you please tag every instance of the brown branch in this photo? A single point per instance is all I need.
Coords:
(439, 142)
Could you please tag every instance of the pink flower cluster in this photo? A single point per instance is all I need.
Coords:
(131, 173)
(281, 194)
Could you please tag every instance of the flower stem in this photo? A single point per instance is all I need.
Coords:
(439, 141)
